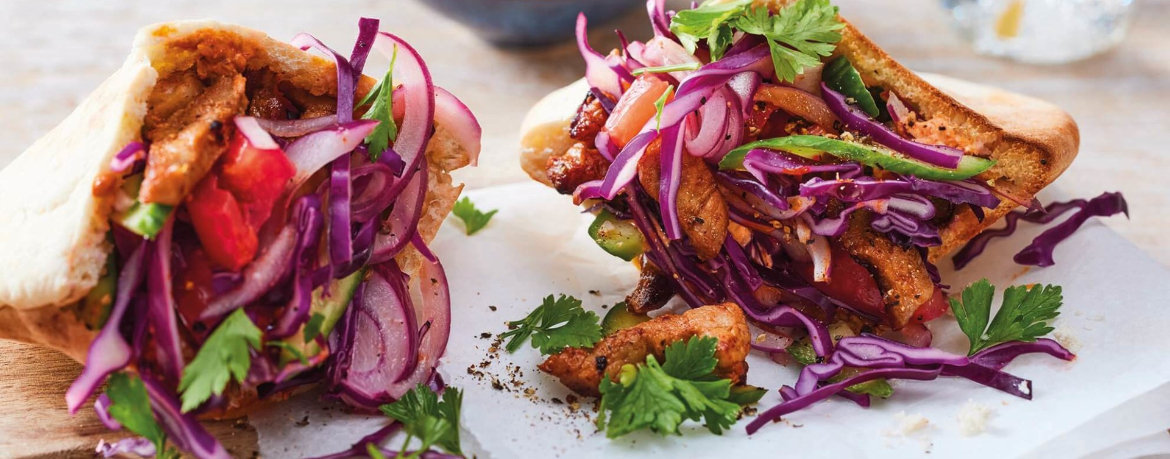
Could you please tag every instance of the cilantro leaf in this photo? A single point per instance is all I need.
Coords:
(381, 109)
(555, 325)
(1024, 315)
(130, 406)
(661, 397)
(424, 417)
(711, 22)
(223, 357)
(473, 219)
(798, 35)
(313, 327)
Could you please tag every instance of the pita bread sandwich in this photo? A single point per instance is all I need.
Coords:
(768, 155)
(229, 218)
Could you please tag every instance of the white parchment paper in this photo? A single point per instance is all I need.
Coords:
(1111, 401)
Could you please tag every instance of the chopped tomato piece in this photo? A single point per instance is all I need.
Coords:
(220, 223)
(634, 109)
(933, 308)
(849, 283)
(256, 177)
(193, 287)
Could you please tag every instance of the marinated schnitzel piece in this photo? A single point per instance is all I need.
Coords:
(581, 369)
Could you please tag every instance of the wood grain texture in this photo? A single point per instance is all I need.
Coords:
(36, 424)
(59, 50)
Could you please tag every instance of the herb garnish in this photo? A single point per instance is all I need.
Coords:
(555, 325)
(1023, 317)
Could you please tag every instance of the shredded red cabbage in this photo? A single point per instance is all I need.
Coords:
(1039, 252)
(856, 119)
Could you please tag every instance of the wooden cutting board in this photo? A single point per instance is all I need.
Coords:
(36, 423)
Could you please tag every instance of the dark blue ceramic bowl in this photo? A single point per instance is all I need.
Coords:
(529, 22)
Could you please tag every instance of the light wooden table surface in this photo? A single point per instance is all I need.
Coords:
(57, 51)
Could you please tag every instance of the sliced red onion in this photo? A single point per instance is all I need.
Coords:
(453, 115)
(312, 152)
(371, 197)
(715, 127)
(182, 429)
(809, 79)
(604, 146)
(598, 72)
(434, 313)
(297, 128)
(254, 133)
(745, 85)
(656, 9)
(418, 100)
(822, 258)
(386, 336)
(345, 74)
(662, 51)
(857, 120)
(161, 308)
(109, 351)
(897, 110)
(127, 157)
(402, 224)
(307, 212)
(259, 276)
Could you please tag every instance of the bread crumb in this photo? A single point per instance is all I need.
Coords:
(1065, 337)
(973, 418)
(907, 424)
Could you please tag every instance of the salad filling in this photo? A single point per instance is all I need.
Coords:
(263, 238)
(739, 158)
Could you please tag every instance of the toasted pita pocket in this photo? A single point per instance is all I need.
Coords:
(57, 215)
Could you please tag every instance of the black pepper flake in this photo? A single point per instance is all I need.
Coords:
(600, 363)
(556, 401)
(1043, 162)
(493, 308)
(942, 128)
(595, 292)
(485, 335)
(303, 422)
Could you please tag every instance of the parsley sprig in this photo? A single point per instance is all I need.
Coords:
(555, 325)
(473, 218)
(130, 406)
(661, 397)
(798, 35)
(432, 422)
(381, 109)
(1024, 315)
(223, 357)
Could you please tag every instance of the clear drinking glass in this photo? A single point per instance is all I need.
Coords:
(1041, 31)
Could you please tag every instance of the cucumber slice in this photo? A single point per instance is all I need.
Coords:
(840, 76)
(145, 219)
(812, 147)
(619, 317)
(618, 237)
(329, 302)
(95, 307)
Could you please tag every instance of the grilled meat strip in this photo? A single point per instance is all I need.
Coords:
(652, 292)
(581, 369)
(701, 208)
(580, 164)
(899, 270)
(185, 143)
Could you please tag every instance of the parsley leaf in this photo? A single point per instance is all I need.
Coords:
(381, 110)
(711, 22)
(130, 406)
(424, 417)
(313, 327)
(797, 35)
(224, 356)
(555, 325)
(661, 397)
(1023, 316)
(473, 219)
